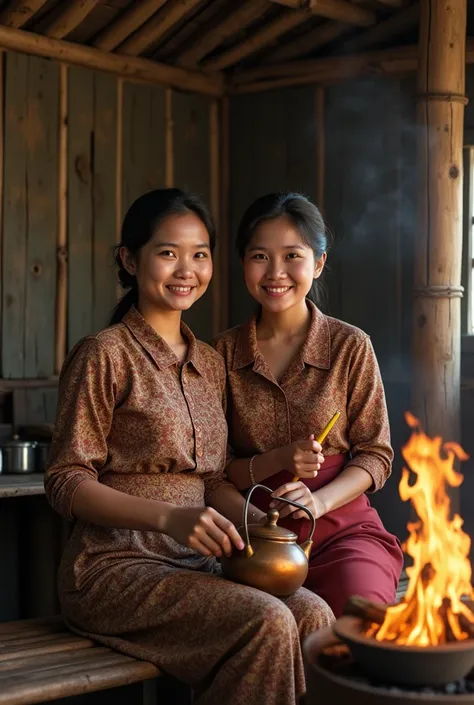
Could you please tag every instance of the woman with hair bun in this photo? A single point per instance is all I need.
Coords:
(289, 369)
(137, 462)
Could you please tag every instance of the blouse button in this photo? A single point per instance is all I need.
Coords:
(199, 453)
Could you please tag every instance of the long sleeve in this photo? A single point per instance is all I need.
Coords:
(85, 409)
(369, 429)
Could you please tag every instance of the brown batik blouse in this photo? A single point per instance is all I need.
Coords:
(334, 370)
(131, 416)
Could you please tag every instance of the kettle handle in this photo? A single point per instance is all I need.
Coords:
(306, 545)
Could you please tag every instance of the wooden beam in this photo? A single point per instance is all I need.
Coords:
(224, 235)
(438, 241)
(126, 23)
(119, 175)
(340, 10)
(68, 16)
(153, 30)
(61, 239)
(269, 33)
(18, 12)
(331, 66)
(240, 19)
(394, 26)
(311, 41)
(219, 282)
(129, 67)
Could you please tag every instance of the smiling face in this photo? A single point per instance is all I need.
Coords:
(174, 268)
(279, 267)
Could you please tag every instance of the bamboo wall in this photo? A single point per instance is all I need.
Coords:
(369, 187)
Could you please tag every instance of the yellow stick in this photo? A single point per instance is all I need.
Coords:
(320, 439)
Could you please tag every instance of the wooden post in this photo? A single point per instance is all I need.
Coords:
(320, 147)
(61, 247)
(438, 249)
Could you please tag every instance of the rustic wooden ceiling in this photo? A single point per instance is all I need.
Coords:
(216, 35)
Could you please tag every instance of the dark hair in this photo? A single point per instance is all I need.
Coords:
(306, 218)
(141, 221)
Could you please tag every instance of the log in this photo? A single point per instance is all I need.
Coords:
(268, 34)
(395, 25)
(126, 23)
(396, 61)
(2, 132)
(311, 41)
(18, 12)
(61, 241)
(244, 15)
(153, 30)
(438, 244)
(327, 70)
(68, 18)
(129, 67)
(169, 151)
(334, 9)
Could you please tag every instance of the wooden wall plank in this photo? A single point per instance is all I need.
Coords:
(192, 173)
(105, 218)
(143, 140)
(92, 224)
(80, 206)
(30, 203)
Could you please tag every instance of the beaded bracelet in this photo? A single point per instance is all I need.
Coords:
(252, 478)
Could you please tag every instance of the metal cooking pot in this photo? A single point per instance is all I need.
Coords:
(18, 457)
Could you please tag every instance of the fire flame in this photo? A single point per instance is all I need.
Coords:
(432, 611)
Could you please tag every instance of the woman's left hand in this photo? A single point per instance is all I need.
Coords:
(296, 492)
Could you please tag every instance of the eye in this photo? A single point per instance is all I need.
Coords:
(293, 255)
(259, 256)
(201, 255)
(166, 253)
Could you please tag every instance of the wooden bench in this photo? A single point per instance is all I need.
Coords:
(41, 660)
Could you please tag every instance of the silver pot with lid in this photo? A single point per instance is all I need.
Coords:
(18, 457)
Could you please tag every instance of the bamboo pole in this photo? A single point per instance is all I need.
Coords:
(214, 145)
(153, 30)
(311, 41)
(127, 66)
(240, 19)
(320, 146)
(61, 241)
(68, 18)
(126, 23)
(339, 10)
(266, 35)
(18, 12)
(169, 141)
(438, 253)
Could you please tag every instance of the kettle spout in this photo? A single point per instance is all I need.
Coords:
(306, 547)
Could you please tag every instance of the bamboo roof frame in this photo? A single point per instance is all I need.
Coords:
(210, 62)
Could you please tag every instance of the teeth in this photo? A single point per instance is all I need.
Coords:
(180, 288)
(277, 290)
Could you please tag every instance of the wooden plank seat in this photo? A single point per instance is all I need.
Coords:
(41, 660)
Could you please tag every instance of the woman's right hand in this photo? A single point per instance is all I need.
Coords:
(302, 458)
(203, 529)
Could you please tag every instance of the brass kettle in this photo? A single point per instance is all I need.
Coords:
(272, 560)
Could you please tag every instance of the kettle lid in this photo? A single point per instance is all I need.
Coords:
(270, 531)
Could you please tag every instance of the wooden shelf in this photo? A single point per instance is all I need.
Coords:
(21, 485)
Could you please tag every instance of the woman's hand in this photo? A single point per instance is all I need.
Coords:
(203, 529)
(297, 492)
(302, 458)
